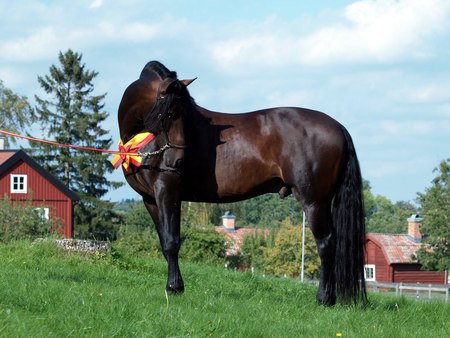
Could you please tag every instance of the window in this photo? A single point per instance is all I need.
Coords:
(19, 184)
(369, 272)
(43, 213)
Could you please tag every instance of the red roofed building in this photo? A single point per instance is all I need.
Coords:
(234, 236)
(390, 258)
(23, 179)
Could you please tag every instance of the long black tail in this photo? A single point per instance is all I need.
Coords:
(349, 227)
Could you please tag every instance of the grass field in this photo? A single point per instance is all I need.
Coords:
(45, 292)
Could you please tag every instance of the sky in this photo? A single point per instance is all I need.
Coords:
(380, 67)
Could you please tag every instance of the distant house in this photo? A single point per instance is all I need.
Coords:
(390, 257)
(22, 179)
(234, 236)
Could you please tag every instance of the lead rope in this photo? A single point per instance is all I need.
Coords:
(113, 152)
(29, 138)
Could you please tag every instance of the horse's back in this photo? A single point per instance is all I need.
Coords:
(266, 150)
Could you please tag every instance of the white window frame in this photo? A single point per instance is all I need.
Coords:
(367, 276)
(43, 212)
(19, 184)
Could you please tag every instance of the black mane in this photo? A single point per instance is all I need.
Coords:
(168, 105)
(156, 67)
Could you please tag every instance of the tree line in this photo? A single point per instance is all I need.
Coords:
(70, 112)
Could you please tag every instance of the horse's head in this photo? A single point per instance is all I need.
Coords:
(165, 119)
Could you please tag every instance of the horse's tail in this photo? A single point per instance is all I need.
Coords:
(349, 227)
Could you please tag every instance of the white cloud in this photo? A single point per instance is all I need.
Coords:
(10, 77)
(139, 32)
(288, 98)
(38, 45)
(96, 4)
(46, 42)
(382, 30)
(430, 92)
(383, 169)
(414, 127)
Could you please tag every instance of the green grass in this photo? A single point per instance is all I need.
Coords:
(48, 293)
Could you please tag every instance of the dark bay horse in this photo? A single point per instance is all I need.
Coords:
(203, 156)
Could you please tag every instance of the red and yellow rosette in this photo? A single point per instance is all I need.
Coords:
(132, 146)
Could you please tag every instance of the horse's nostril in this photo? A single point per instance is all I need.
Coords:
(178, 163)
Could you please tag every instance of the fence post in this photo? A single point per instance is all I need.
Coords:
(446, 294)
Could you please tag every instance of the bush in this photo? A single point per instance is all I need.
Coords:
(144, 242)
(22, 221)
(252, 250)
(137, 234)
(202, 245)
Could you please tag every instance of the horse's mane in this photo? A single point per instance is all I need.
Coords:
(158, 119)
(156, 67)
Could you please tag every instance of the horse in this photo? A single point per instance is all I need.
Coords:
(200, 155)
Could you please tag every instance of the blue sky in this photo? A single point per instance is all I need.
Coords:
(382, 68)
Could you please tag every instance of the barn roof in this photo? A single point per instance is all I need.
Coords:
(397, 248)
(10, 157)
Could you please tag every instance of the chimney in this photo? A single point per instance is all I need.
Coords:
(229, 221)
(2, 143)
(414, 228)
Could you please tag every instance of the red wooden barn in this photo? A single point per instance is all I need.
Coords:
(390, 259)
(21, 179)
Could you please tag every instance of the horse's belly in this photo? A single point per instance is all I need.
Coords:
(234, 182)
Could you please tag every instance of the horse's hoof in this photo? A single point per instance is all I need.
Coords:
(326, 301)
(174, 290)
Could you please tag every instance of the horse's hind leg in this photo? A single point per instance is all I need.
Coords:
(320, 222)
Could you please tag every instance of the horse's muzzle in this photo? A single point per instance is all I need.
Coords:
(171, 159)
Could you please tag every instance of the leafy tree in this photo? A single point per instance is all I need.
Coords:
(403, 210)
(198, 214)
(267, 211)
(435, 202)
(284, 258)
(15, 112)
(252, 249)
(136, 219)
(383, 216)
(71, 114)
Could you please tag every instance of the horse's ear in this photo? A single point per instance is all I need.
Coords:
(165, 85)
(188, 82)
(169, 82)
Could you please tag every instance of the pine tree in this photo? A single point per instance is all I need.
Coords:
(16, 113)
(435, 202)
(71, 114)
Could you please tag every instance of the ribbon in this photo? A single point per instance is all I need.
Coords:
(132, 146)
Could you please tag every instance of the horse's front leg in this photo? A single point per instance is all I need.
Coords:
(165, 212)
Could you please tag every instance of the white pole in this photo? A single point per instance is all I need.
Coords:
(302, 276)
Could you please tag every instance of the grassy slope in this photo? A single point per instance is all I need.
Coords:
(44, 292)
